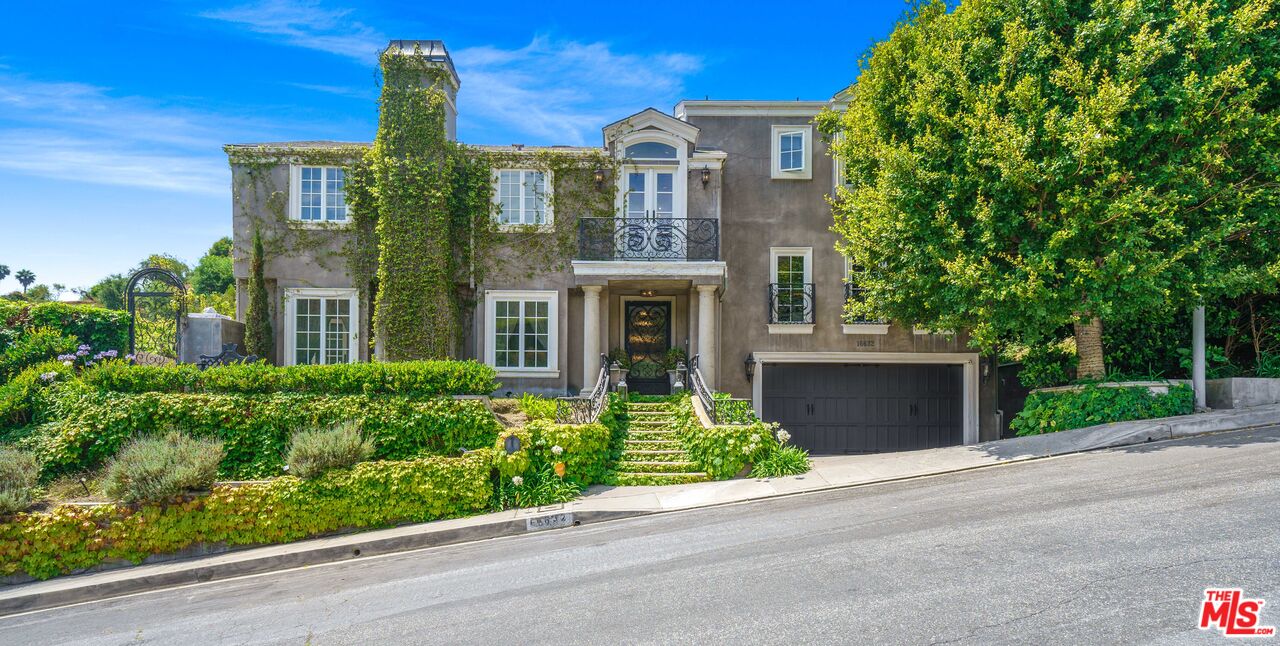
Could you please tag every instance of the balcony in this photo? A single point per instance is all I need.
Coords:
(648, 239)
(791, 304)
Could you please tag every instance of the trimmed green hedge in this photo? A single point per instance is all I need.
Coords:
(32, 347)
(1064, 410)
(585, 450)
(90, 425)
(723, 451)
(416, 378)
(101, 328)
(371, 494)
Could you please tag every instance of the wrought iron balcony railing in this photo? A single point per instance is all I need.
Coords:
(854, 293)
(791, 303)
(649, 239)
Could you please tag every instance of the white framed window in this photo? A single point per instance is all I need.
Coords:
(522, 197)
(522, 332)
(853, 290)
(839, 178)
(322, 326)
(318, 195)
(792, 152)
(791, 297)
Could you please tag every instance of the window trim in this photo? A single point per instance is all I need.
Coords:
(775, 147)
(857, 327)
(552, 298)
(295, 197)
(807, 253)
(838, 179)
(678, 166)
(291, 296)
(549, 190)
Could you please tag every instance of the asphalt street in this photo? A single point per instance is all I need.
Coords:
(1113, 546)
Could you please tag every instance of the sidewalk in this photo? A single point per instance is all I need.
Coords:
(601, 504)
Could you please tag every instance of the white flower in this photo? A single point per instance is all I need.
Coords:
(66, 363)
(755, 437)
(556, 450)
(783, 436)
(517, 480)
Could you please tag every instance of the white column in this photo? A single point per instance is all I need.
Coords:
(707, 333)
(590, 335)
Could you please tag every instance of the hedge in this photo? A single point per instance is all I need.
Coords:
(99, 327)
(91, 425)
(585, 450)
(417, 378)
(32, 347)
(722, 452)
(24, 396)
(1048, 412)
(372, 494)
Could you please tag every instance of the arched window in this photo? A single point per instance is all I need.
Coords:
(650, 150)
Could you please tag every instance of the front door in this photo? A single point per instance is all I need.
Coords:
(648, 338)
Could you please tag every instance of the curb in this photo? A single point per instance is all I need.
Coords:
(95, 586)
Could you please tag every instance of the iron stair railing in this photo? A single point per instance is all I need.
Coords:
(721, 410)
(585, 410)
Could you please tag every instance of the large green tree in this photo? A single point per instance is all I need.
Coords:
(1017, 166)
(213, 273)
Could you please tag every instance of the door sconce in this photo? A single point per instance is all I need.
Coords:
(706, 176)
(648, 293)
(750, 366)
(599, 177)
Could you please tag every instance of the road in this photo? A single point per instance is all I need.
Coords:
(1105, 547)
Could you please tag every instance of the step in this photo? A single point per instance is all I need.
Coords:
(657, 467)
(651, 455)
(652, 435)
(650, 479)
(650, 415)
(652, 445)
(648, 424)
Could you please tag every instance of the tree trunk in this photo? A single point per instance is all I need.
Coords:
(1089, 349)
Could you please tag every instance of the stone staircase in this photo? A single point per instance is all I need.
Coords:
(653, 454)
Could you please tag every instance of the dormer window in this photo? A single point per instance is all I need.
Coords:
(653, 180)
(650, 150)
(521, 197)
(792, 150)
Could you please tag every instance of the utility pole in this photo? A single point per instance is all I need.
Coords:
(1197, 357)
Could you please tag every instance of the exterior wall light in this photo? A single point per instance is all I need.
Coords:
(706, 176)
(750, 365)
(599, 176)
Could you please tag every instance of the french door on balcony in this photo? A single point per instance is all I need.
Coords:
(653, 224)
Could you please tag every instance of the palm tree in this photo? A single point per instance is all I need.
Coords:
(4, 271)
(25, 277)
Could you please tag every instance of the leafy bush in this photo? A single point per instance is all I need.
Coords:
(372, 494)
(722, 451)
(91, 425)
(1268, 366)
(18, 470)
(159, 468)
(1047, 412)
(535, 488)
(537, 407)
(23, 395)
(584, 449)
(32, 347)
(88, 324)
(1048, 364)
(415, 378)
(315, 451)
(786, 461)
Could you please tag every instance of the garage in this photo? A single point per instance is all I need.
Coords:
(832, 408)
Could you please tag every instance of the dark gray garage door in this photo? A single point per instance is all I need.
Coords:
(865, 408)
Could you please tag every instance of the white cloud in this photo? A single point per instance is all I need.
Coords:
(563, 92)
(305, 23)
(59, 156)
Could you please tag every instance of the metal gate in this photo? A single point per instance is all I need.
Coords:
(157, 299)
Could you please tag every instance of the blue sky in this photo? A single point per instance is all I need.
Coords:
(112, 115)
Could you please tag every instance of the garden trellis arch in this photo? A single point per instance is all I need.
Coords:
(157, 299)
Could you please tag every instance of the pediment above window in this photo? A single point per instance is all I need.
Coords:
(652, 121)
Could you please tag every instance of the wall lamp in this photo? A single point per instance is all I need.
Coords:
(750, 366)
(706, 176)
(599, 176)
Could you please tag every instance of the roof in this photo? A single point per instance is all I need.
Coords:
(687, 108)
(285, 146)
(432, 50)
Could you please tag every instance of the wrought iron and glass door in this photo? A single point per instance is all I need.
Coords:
(648, 338)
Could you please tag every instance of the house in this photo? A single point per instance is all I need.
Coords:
(720, 246)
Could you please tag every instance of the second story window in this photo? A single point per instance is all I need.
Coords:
(521, 197)
(321, 194)
(792, 152)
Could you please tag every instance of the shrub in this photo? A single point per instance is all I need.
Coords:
(315, 451)
(585, 450)
(18, 470)
(1047, 412)
(32, 347)
(91, 425)
(372, 494)
(412, 378)
(786, 461)
(535, 488)
(722, 452)
(23, 395)
(537, 407)
(159, 468)
(1048, 364)
(89, 324)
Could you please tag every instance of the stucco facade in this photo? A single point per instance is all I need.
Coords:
(748, 180)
